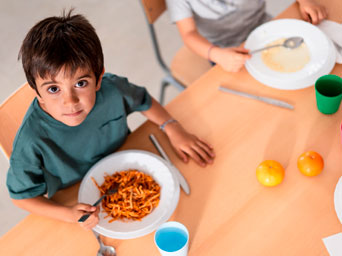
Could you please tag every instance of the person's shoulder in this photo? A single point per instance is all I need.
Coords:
(29, 130)
(171, 3)
(109, 77)
(113, 78)
(180, 9)
(29, 121)
(114, 83)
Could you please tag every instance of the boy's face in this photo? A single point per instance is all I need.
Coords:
(68, 99)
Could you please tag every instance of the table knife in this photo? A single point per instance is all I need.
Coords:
(271, 101)
(182, 181)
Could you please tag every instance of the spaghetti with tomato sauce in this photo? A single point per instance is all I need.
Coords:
(138, 194)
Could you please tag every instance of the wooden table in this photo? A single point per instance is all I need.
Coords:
(228, 211)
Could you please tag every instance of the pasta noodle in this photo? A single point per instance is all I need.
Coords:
(138, 194)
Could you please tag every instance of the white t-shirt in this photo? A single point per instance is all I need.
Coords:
(222, 22)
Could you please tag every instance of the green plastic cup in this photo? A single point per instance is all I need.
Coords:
(328, 93)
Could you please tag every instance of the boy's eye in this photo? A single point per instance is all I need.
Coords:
(81, 83)
(53, 89)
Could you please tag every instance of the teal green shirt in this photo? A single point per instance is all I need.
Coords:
(49, 155)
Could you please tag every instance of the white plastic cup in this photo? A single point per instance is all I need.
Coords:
(172, 239)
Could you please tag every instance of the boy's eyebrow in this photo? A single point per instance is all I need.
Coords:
(84, 76)
(47, 83)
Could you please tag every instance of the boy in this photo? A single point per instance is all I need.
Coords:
(78, 117)
(214, 29)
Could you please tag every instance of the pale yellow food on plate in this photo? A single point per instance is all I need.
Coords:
(138, 194)
(286, 60)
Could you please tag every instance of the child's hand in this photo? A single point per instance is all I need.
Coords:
(311, 11)
(187, 145)
(230, 59)
(79, 210)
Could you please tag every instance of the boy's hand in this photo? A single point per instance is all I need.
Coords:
(230, 59)
(79, 210)
(187, 145)
(311, 11)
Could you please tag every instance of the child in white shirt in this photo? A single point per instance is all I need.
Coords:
(214, 29)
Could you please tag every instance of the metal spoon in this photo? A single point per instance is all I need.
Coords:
(109, 192)
(291, 43)
(105, 250)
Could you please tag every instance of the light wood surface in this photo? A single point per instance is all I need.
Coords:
(12, 112)
(228, 211)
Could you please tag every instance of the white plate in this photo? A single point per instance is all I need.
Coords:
(338, 199)
(322, 54)
(143, 161)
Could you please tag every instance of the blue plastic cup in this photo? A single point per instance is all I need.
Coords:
(172, 239)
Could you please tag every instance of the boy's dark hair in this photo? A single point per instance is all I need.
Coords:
(69, 42)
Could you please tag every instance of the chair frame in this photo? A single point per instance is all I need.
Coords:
(168, 79)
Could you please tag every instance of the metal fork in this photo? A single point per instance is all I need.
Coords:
(109, 192)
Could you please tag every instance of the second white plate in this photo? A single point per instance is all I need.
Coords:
(338, 199)
(322, 54)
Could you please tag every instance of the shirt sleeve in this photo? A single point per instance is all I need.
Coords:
(25, 181)
(179, 9)
(25, 177)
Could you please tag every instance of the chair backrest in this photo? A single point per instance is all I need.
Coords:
(12, 112)
(153, 9)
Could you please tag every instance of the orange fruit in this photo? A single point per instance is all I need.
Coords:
(270, 173)
(310, 163)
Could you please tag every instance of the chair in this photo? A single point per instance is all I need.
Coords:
(12, 112)
(185, 67)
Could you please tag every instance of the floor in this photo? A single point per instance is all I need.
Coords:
(127, 49)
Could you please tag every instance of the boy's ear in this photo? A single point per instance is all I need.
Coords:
(40, 101)
(98, 86)
(39, 98)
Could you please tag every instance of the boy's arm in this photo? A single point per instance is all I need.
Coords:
(43, 206)
(185, 144)
(231, 59)
(311, 11)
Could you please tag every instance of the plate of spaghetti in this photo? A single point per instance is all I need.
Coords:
(147, 193)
